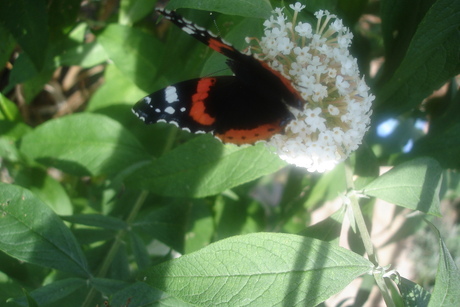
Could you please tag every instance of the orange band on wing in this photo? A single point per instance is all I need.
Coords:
(250, 136)
(283, 79)
(218, 45)
(198, 108)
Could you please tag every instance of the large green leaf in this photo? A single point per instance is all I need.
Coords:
(263, 269)
(33, 233)
(53, 292)
(203, 167)
(414, 185)
(46, 188)
(97, 220)
(117, 89)
(166, 224)
(431, 59)
(134, 52)
(134, 10)
(413, 295)
(246, 8)
(27, 21)
(443, 139)
(83, 144)
(141, 294)
(6, 46)
(445, 292)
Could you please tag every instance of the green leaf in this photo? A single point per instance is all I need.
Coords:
(134, 52)
(445, 292)
(32, 232)
(201, 226)
(166, 224)
(7, 44)
(30, 300)
(139, 249)
(84, 55)
(83, 144)
(442, 141)
(8, 110)
(27, 21)
(33, 80)
(9, 287)
(144, 295)
(134, 10)
(203, 167)
(108, 286)
(55, 291)
(328, 229)
(96, 220)
(8, 150)
(117, 89)
(413, 294)
(64, 15)
(245, 8)
(263, 269)
(414, 185)
(46, 188)
(431, 59)
(328, 186)
(366, 166)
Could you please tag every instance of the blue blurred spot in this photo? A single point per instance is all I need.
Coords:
(387, 127)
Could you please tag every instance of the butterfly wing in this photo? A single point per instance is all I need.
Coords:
(257, 74)
(222, 105)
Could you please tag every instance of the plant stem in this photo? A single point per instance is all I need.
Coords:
(359, 218)
(365, 236)
(378, 277)
(116, 245)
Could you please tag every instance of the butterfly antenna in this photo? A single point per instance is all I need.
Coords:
(215, 24)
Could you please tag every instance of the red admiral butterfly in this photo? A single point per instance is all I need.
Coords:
(250, 106)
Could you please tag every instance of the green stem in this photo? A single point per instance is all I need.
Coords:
(359, 218)
(365, 236)
(378, 277)
(132, 215)
(116, 245)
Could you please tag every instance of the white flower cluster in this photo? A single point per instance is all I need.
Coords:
(337, 106)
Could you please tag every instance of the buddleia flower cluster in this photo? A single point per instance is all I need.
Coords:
(337, 108)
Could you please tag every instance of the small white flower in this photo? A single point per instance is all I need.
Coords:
(333, 110)
(296, 69)
(342, 85)
(314, 120)
(284, 45)
(297, 7)
(304, 30)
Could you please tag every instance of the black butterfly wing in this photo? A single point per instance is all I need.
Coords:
(257, 74)
(224, 106)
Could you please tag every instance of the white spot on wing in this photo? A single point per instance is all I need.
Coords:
(171, 94)
(157, 110)
(170, 110)
(183, 109)
(188, 30)
(147, 100)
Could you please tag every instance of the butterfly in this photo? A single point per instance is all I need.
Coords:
(250, 106)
